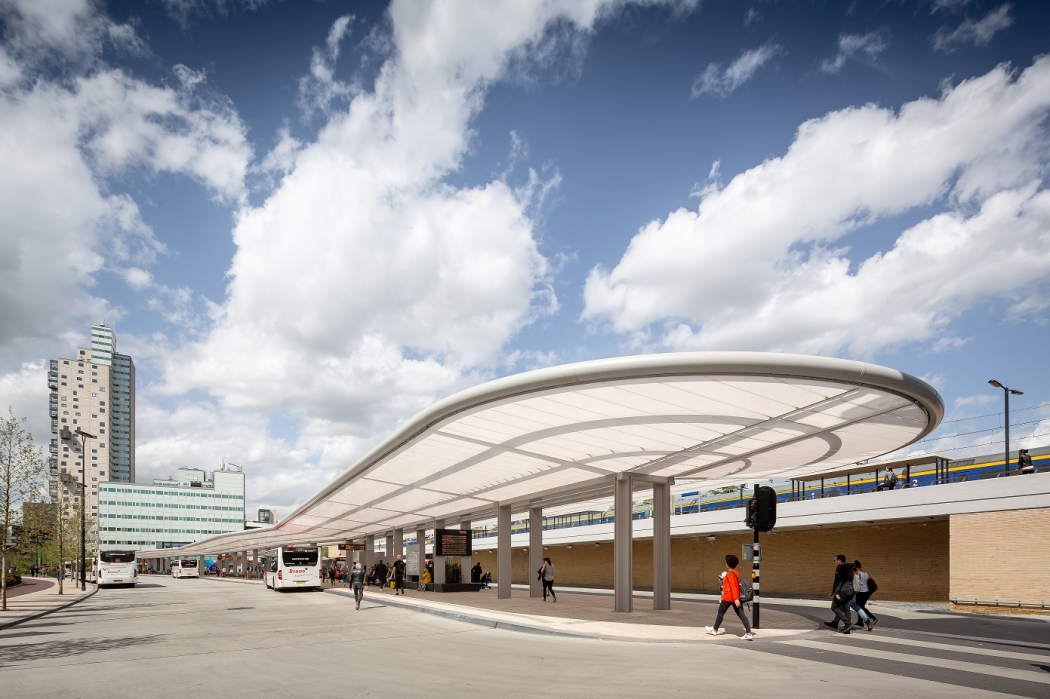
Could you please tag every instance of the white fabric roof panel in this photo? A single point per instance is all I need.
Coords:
(707, 417)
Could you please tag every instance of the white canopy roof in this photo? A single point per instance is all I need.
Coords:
(560, 434)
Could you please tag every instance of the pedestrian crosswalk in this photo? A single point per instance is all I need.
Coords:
(1009, 669)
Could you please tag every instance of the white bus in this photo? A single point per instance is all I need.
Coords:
(115, 568)
(185, 568)
(294, 567)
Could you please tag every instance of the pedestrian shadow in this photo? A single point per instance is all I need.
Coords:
(25, 653)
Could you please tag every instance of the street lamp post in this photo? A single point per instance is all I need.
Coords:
(84, 437)
(1006, 419)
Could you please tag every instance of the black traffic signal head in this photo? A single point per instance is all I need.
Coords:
(762, 511)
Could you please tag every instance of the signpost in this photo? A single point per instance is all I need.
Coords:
(351, 547)
(453, 542)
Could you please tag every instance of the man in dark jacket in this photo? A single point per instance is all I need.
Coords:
(842, 594)
(381, 571)
(357, 582)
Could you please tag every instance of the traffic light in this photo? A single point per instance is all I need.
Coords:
(762, 511)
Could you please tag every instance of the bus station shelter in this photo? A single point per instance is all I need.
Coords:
(602, 428)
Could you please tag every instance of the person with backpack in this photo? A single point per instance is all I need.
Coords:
(842, 594)
(889, 480)
(732, 586)
(546, 576)
(864, 586)
(1024, 462)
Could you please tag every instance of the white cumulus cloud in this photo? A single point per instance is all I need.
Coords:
(760, 265)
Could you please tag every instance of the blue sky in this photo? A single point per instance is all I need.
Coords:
(307, 221)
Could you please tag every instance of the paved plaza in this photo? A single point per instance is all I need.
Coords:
(204, 637)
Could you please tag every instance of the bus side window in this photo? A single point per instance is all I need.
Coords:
(273, 564)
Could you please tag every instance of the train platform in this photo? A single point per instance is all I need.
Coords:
(37, 597)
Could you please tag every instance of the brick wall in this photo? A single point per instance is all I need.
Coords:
(909, 560)
(989, 552)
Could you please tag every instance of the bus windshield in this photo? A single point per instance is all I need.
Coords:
(299, 556)
(117, 556)
(189, 564)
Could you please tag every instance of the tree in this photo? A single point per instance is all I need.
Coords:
(22, 476)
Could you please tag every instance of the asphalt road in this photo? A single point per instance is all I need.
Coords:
(178, 638)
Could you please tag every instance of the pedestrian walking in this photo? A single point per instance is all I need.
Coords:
(399, 576)
(546, 576)
(731, 598)
(864, 586)
(842, 594)
(381, 574)
(357, 583)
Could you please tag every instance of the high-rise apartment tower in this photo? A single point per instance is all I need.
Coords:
(96, 392)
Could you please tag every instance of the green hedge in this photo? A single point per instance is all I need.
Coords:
(13, 579)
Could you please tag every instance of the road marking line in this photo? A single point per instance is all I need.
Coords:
(957, 649)
(963, 666)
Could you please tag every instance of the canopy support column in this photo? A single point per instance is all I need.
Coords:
(399, 545)
(623, 568)
(535, 550)
(388, 552)
(255, 564)
(370, 547)
(661, 545)
(464, 561)
(421, 551)
(439, 561)
(503, 552)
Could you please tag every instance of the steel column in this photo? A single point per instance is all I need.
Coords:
(661, 546)
(421, 551)
(399, 544)
(464, 561)
(623, 555)
(535, 550)
(503, 552)
(439, 561)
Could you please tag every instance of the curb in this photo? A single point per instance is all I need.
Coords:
(512, 626)
(31, 617)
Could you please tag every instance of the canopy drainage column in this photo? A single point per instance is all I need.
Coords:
(503, 552)
(623, 566)
(535, 550)
(662, 545)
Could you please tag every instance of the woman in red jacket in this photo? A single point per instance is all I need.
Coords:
(731, 598)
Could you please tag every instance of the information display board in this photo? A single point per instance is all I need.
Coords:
(413, 561)
(452, 542)
(351, 547)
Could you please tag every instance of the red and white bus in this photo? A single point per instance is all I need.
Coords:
(294, 567)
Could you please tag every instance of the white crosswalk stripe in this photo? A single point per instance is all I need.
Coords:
(969, 650)
(837, 646)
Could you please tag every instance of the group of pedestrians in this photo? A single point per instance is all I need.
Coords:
(850, 593)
